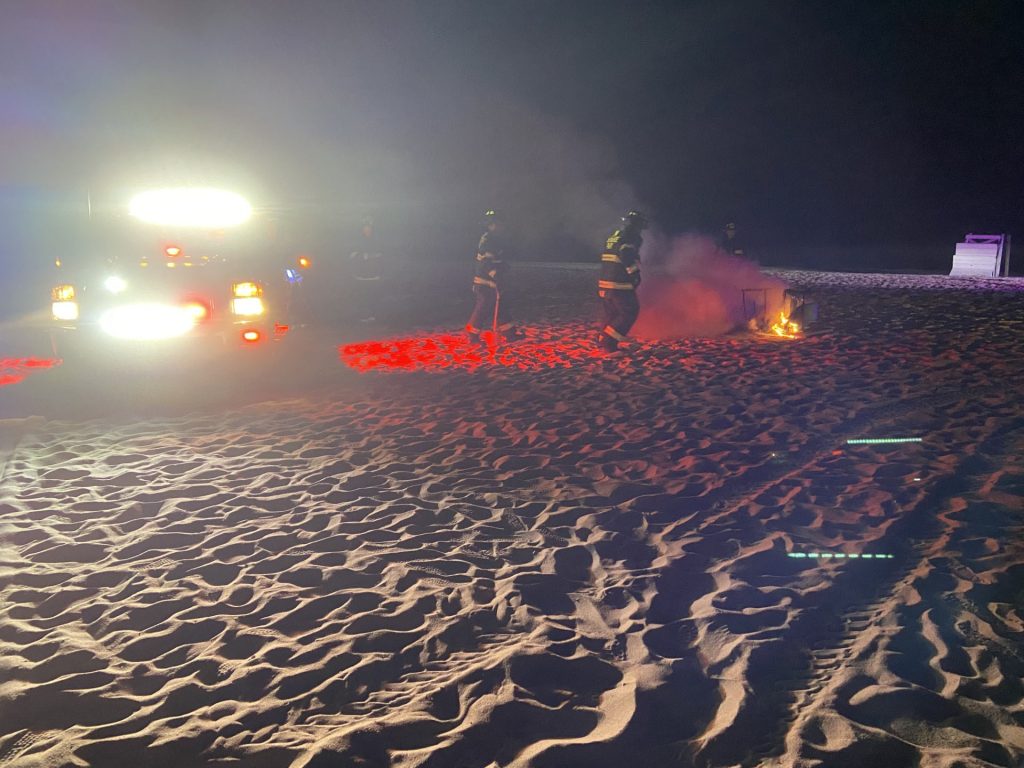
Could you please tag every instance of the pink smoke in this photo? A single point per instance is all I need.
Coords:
(691, 288)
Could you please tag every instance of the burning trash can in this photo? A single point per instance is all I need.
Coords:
(798, 312)
(799, 307)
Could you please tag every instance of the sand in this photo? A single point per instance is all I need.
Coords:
(540, 556)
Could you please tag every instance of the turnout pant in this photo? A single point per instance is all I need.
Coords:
(620, 310)
(482, 317)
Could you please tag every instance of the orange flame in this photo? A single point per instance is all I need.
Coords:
(785, 327)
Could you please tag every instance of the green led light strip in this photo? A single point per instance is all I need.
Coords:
(840, 556)
(883, 440)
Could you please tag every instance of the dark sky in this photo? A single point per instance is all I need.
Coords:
(807, 122)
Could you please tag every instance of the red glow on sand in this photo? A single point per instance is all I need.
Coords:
(15, 369)
(442, 352)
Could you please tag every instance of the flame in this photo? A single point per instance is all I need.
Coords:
(785, 327)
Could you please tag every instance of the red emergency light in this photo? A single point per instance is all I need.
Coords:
(199, 310)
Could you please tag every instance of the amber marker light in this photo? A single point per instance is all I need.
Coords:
(246, 290)
(63, 293)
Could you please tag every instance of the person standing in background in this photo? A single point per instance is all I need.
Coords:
(730, 241)
(365, 269)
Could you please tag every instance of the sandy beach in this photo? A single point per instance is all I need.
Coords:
(541, 556)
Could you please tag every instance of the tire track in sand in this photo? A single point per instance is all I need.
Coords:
(818, 619)
(834, 625)
(924, 530)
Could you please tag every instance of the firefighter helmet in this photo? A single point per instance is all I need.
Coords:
(635, 219)
(493, 215)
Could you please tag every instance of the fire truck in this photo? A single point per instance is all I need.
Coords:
(174, 268)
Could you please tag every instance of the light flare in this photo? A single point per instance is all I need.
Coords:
(840, 556)
(148, 322)
(882, 440)
(200, 207)
(198, 310)
(115, 284)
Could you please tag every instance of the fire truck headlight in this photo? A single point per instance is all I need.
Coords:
(65, 310)
(147, 322)
(115, 284)
(247, 306)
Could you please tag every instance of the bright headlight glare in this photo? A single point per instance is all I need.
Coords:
(65, 310)
(247, 307)
(145, 322)
(115, 284)
(190, 207)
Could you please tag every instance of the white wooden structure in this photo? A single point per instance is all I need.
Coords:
(979, 256)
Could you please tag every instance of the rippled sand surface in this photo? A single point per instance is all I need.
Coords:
(541, 556)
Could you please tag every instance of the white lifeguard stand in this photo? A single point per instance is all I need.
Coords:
(981, 256)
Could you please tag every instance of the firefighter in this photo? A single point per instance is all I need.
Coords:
(489, 278)
(365, 269)
(620, 276)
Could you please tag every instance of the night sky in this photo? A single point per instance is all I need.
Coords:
(832, 123)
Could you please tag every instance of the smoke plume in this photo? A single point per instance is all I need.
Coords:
(692, 288)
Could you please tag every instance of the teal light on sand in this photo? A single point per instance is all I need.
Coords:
(882, 440)
(839, 556)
